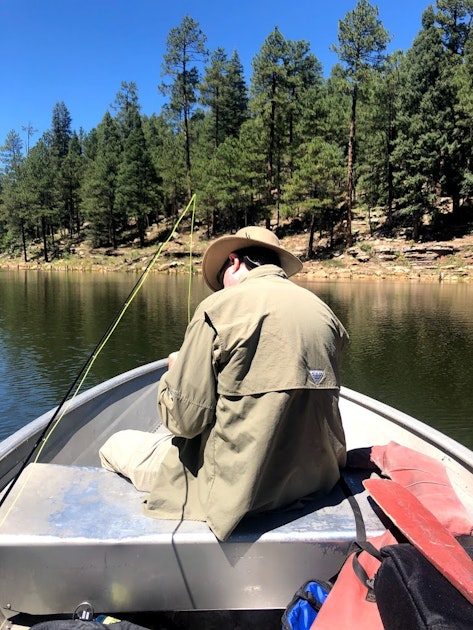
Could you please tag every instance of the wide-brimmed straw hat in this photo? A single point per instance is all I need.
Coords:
(251, 236)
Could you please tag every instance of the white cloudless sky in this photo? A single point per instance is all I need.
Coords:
(79, 51)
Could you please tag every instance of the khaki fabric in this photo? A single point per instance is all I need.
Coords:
(252, 400)
(136, 455)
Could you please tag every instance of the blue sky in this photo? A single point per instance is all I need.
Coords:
(79, 51)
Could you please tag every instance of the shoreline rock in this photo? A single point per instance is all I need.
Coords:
(376, 259)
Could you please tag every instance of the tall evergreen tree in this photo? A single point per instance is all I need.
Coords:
(212, 92)
(223, 91)
(464, 109)
(362, 40)
(60, 138)
(126, 104)
(99, 186)
(377, 132)
(61, 132)
(185, 47)
(304, 76)
(269, 101)
(235, 109)
(71, 177)
(284, 72)
(136, 179)
(316, 187)
(166, 150)
(41, 192)
(12, 213)
(11, 153)
(455, 18)
(419, 109)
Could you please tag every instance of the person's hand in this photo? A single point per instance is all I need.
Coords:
(171, 358)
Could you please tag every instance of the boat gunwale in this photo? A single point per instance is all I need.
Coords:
(450, 447)
(35, 426)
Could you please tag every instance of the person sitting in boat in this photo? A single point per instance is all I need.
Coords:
(250, 403)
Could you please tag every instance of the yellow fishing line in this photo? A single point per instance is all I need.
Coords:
(191, 264)
(101, 346)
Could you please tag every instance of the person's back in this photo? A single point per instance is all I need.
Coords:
(277, 434)
(250, 401)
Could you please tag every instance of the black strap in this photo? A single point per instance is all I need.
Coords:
(359, 521)
(360, 544)
(359, 569)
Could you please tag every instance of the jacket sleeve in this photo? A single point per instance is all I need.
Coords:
(187, 392)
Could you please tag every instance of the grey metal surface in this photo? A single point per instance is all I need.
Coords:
(83, 424)
(75, 532)
(88, 540)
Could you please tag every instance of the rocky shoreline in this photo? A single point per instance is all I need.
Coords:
(370, 258)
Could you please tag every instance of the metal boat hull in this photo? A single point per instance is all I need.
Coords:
(70, 531)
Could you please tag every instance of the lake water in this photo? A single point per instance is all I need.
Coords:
(411, 343)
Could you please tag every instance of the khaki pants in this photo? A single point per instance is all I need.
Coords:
(136, 454)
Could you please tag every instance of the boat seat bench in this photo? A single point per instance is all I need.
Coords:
(66, 531)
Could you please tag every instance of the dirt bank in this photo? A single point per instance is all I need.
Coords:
(370, 257)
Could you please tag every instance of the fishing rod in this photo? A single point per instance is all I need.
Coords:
(87, 366)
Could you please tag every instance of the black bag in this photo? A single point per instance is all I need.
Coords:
(79, 624)
(412, 595)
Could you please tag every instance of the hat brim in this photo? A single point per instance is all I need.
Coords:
(218, 252)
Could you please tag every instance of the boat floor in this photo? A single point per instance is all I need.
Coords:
(72, 534)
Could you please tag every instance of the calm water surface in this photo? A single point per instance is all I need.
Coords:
(411, 344)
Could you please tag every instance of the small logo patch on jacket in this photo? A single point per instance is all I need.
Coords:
(317, 376)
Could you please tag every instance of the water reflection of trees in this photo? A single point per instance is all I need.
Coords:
(410, 346)
(411, 343)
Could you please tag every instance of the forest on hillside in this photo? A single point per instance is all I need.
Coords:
(388, 137)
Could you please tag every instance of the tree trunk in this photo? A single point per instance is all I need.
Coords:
(272, 135)
(351, 166)
(23, 239)
(310, 248)
(45, 239)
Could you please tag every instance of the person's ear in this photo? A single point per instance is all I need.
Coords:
(235, 262)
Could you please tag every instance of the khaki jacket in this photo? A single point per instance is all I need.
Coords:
(253, 397)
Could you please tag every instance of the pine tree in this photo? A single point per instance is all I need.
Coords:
(166, 150)
(223, 91)
(60, 131)
(99, 186)
(235, 102)
(362, 40)
(185, 47)
(136, 179)
(126, 104)
(464, 110)
(70, 182)
(269, 102)
(316, 187)
(12, 209)
(60, 138)
(377, 133)
(212, 92)
(40, 191)
(455, 18)
(421, 124)
(284, 73)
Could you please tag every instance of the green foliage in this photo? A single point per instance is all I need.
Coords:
(393, 133)
(362, 40)
(99, 184)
